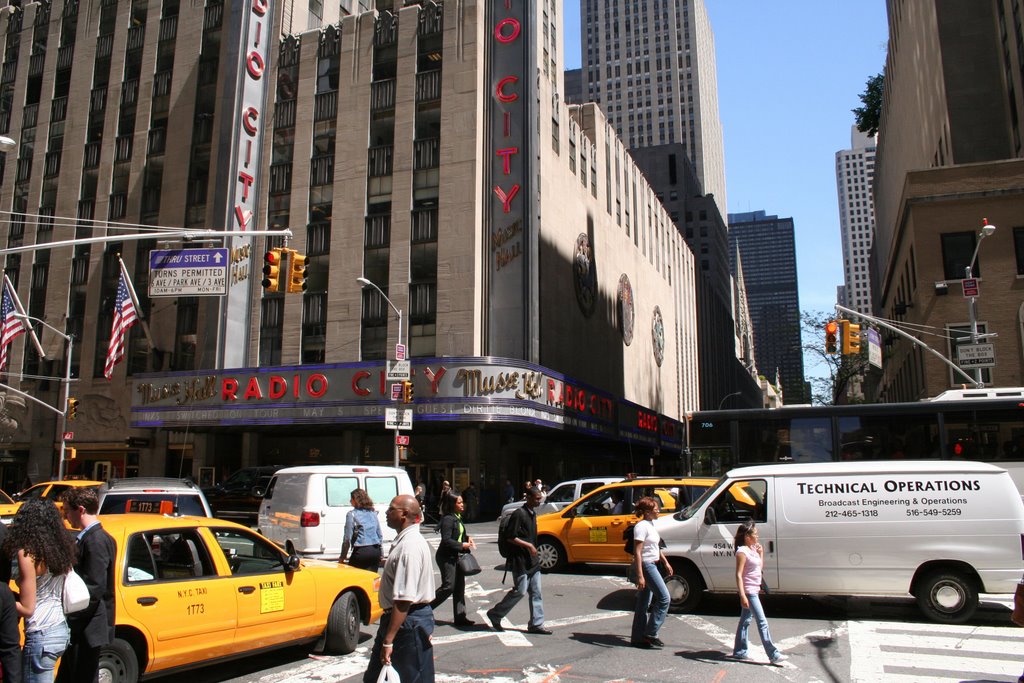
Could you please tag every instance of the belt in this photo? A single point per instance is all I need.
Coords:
(412, 608)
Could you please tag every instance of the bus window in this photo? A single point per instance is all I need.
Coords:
(879, 437)
(785, 440)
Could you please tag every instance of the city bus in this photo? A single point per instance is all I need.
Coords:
(969, 424)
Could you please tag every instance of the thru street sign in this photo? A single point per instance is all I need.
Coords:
(188, 272)
(970, 286)
(397, 418)
(976, 355)
(399, 351)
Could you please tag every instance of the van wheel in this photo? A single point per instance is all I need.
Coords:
(550, 555)
(118, 663)
(685, 590)
(343, 626)
(947, 597)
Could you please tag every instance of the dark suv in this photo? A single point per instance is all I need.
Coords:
(238, 497)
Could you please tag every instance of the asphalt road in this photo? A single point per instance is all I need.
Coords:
(590, 610)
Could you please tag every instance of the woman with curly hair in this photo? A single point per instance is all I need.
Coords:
(46, 553)
(362, 533)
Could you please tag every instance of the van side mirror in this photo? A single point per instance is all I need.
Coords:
(710, 517)
(292, 563)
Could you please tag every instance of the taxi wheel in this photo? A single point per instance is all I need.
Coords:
(343, 626)
(118, 663)
(550, 555)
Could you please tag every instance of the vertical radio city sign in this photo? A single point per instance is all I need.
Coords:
(508, 201)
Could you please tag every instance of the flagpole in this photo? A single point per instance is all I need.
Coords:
(21, 311)
(135, 301)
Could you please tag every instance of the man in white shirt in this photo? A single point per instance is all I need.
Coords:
(406, 589)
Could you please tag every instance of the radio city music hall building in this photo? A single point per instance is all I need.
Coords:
(547, 300)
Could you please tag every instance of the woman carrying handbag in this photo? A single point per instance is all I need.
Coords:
(454, 542)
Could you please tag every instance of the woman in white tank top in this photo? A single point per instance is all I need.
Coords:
(45, 551)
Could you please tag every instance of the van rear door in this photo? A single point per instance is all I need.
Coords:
(741, 501)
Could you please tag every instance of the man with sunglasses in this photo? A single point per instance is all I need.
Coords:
(406, 589)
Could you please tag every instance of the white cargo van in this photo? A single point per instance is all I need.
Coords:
(304, 508)
(941, 531)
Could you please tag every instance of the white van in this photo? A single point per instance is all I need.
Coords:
(941, 531)
(304, 508)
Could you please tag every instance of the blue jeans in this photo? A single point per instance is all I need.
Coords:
(644, 625)
(41, 651)
(412, 653)
(755, 610)
(523, 583)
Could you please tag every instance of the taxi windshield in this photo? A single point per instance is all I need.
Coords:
(688, 512)
(5, 499)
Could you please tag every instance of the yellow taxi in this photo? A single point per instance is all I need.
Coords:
(191, 591)
(590, 530)
(49, 490)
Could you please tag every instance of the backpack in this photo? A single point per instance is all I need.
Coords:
(505, 547)
(627, 536)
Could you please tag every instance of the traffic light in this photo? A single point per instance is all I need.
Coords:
(272, 270)
(831, 329)
(407, 392)
(72, 410)
(851, 338)
(298, 270)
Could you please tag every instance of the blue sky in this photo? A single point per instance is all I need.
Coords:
(789, 72)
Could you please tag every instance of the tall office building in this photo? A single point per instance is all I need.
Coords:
(650, 64)
(855, 172)
(767, 248)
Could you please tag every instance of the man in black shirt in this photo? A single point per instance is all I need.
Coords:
(10, 638)
(521, 532)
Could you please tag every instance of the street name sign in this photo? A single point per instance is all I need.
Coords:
(874, 348)
(970, 286)
(188, 272)
(976, 355)
(398, 370)
(397, 418)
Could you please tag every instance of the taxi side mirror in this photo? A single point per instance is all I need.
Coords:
(570, 513)
(292, 563)
(710, 517)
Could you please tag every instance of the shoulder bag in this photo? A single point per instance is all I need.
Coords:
(468, 564)
(76, 593)
(1018, 605)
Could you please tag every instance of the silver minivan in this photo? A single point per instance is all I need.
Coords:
(562, 496)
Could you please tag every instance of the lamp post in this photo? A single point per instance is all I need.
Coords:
(8, 144)
(727, 397)
(367, 283)
(986, 230)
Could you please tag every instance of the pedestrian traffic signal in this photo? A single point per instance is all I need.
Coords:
(298, 270)
(72, 410)
(72, 452)
(851, 338)
(272, 270)
(407, 395)
(831, 329)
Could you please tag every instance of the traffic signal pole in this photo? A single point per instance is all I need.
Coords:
(914, 340)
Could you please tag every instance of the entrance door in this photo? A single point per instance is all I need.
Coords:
(101, 470)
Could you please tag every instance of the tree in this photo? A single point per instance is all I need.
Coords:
(869, 116)
(827, 390)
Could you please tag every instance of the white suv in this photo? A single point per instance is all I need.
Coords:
(562, 495)
(161, 495)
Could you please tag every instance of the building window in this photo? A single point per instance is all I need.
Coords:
(957, 249)
(1018, 246)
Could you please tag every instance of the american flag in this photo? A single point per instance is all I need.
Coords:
(125, 315)
(12, 325)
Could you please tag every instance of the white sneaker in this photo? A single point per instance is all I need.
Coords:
(778, 659)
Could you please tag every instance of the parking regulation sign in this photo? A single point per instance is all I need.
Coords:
(188, 272)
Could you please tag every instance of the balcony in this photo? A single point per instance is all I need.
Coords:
(426, 153)
(157, 141)
(168, 28)
(284, 114)
(104, 46)
(162, 83)
(325, 106)
(382, 96)
(424, 225)
(431, 19)
(86, 209)
(321, 170)
(65, 57)
(385, 30)
(213, 17)
(17, 230)
(123, 148)
(35, 64)
(9, 72)
(130, 92)
(118, 206)
(280, 178)
(51, 164)
(428, 86)
(98, 100)
(28, 118)
(136, 37)
(92, 155)
(378, 231)
(380, 161)
(5, 122)
(58, 109)
(24, 171)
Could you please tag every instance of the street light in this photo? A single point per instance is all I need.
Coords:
(727, 397)
(8, 144)
(986, 230)
(367, 283)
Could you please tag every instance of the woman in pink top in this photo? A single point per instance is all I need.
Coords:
(749, 560)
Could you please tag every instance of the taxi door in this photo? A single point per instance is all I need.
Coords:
(170, 588)
(594, 533)
(274, 605)
(716, 541)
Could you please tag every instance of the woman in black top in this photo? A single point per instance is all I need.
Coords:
(454, 540)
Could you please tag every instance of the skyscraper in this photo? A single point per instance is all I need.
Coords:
(767, 248)
(855, 172)
(650, 64)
